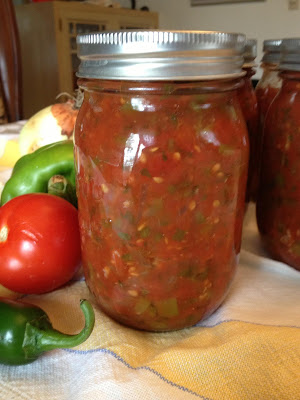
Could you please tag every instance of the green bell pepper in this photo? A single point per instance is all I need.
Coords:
(32, 172)
(59, 186)
(26, 332)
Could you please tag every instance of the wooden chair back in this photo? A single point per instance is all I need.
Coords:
(10, 62)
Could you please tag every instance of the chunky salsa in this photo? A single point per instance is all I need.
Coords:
(161, 177)
(278, 212)
(248, 102)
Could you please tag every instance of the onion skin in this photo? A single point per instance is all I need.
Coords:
(66, 115)
(49, 125)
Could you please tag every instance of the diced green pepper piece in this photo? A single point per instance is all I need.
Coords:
(145, 172)
(197, 103)
(226, 149)
(126, 257)
(168, 89)
(167, 308)
(199, 217)
(171, 145)
(145, 232)
(296, 249)
(141, 305)
(172, 189)
(179, 235)
(124, 236)
(159, 326)
(155, 206)
(127, 106)
(129, 216)
(158, 236)
(193, 272)
(151, 311)
(232, 113)
(174, 119)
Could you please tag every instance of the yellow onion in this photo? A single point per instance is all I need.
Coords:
(50, 125)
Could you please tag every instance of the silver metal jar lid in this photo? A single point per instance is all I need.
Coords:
(290, 54)
(250, 52)
(160, 55)
(271, 49)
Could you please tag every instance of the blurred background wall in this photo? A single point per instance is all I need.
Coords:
(269, 19)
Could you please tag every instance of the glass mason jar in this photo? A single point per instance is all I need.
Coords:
(270, 82)
(248, 102)
(161, 151)
(278, 211)
(266, 89)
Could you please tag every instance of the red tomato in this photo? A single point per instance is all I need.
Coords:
(39, 243)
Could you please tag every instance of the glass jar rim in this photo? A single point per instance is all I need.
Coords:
(250, 52)
(290, 54)
(271, 50)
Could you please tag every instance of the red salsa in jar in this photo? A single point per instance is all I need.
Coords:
(278, 213)
(161, 177)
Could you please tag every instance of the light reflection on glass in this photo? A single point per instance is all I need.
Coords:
(133, 150)
(139, 104)
(209, 137)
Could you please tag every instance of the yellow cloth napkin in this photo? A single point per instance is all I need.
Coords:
(248, 349)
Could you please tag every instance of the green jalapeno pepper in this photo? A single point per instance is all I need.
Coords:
(26, 332)
(32, 172)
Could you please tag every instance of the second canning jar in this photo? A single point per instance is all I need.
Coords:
(161, 154)
(278, 211)
(248, 102)
(270, 83)
(266, 89)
